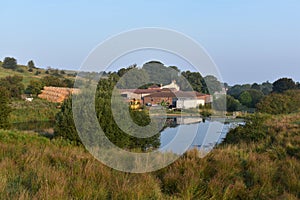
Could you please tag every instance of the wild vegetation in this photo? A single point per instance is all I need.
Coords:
(65, 126)
(37, 110)
(257, 160)
(263, 165)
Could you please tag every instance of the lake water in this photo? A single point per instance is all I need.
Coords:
(181, 133)
(194, 132)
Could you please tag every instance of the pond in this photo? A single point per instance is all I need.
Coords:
(194, 132)
(180, 133)
(41, 127)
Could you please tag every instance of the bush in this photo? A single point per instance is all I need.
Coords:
(9, 63)
(254, 130)
(20, 70)
(65, 126)
(284, 103)
(5, 109)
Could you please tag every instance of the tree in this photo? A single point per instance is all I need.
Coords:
(133, 79)
(283, 84)
(108, 124)
(194, 79)
(255, 86)
(256, 96)
(30, 64)
(53, 81)
(13, 84)
(4, 108)
(232, 104)
(65, 126)
(226, 102)
(266, 87)
(236, 90)
(10, 63)
(34, 87)
(280, 103)
(245, 99)
(213, 84)
(158, 73)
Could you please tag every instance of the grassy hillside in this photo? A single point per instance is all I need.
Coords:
(37, 110)
(27, 76)
(33, 167)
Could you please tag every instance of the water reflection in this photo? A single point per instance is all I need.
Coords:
(179, 134)
(41, 127)
(180, 130)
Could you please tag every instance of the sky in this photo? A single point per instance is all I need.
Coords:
(250, 41)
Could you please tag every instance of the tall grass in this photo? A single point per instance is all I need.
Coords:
(34, 167)
(37, 110)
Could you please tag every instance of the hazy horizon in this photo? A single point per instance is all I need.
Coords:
(249, 41)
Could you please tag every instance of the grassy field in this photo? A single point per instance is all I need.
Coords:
(27, 76)
(34, 167)
(37, 110)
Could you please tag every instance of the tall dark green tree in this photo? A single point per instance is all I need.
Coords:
(245, 98)
(13, 85)
(108, 124)
(30, 64)
(255, 86)
(256, 96)
(9, 63)
(266, 87)
(65, 126)
(194, 79)
(283, 84)
(213, 84)
(236, 90)
(5, 109)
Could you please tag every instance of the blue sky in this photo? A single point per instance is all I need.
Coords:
(250, 41)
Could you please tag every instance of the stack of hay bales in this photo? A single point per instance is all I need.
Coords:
(57, 94)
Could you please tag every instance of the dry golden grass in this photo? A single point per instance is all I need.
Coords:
(33, 167)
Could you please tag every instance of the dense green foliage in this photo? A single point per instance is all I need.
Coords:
(250, 96)
(245, 98)
(57, 81)
(284, 84)
(212, 85)
(30, 64)
(195, 80)
(5, 109)
(13, 85)
(226, 103)
(37, 110)
(9, 63)
(155, 72)
(65, 126)
(109, 126)
(283, 103)
(34, 88)
(254, 130)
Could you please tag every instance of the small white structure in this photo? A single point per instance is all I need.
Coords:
(189, 103)
(29, 99)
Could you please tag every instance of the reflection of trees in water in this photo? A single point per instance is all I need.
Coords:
(171, 122)
(41, 126)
